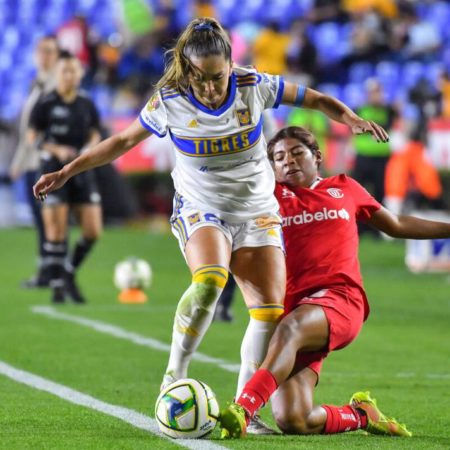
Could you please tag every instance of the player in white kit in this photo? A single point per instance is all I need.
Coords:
(225, 214)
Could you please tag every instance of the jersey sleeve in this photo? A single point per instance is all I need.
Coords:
(38, 117)
(270, 90)
(153, 116)
(365, 204)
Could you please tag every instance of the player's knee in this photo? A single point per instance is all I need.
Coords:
(288, 332)
(208, 282)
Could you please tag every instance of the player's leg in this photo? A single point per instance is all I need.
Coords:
(55, 218)
(260, 273)
(207, 253)
(90, 220)
(41, 278)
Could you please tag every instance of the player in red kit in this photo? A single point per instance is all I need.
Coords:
(325, 303)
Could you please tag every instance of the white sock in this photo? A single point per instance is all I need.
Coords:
(254, 349)
(194, 314)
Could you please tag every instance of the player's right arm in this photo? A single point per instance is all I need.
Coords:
(102, 153)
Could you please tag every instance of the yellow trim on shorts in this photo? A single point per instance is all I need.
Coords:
(266, 313)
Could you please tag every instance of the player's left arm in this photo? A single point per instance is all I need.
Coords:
(408, 227)
(295, 95)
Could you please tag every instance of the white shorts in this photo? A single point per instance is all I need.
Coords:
(259, 232)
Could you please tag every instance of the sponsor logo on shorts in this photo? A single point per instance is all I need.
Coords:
(317, 216)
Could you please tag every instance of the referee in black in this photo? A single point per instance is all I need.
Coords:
(63, 124)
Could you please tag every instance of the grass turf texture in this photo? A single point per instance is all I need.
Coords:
(401, 354)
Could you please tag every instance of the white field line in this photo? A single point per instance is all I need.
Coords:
(154, 344)
(130, 416)
(136, 338)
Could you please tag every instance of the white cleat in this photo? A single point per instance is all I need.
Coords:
(257, 426)
(167, 380)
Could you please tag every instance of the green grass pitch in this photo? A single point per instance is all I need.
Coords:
(402, 354)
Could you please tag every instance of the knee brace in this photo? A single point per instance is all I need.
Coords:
(266, 313)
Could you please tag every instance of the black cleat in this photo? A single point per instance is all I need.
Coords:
(58, 295)
(40, 280)
(72, 289)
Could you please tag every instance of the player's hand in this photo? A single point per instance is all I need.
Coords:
(361, 126)
(48, 183)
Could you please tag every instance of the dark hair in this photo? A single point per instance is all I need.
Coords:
(65, 55)
(202, 37)
(301, 134)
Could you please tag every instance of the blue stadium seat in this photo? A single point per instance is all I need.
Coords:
(330, 89)
(327, 38)
(387, 72)
(412, 71)
(360, 72)
(353, 94)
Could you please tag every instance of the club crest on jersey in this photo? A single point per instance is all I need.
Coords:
(335, 192)
(153, 103)
(192, 124)
(194, 218)
(244, 117)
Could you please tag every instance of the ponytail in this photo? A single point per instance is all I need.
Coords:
(202, 37)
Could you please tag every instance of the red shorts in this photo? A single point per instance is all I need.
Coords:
(345, 309)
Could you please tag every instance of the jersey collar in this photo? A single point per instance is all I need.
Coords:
(216, 112)
(315, 182)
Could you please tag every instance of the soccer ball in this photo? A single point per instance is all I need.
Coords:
(133, 273)
(187, 409)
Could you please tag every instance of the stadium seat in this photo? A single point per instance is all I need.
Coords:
(387, 72)
(411, 73)
(360, 72)
(353, 94)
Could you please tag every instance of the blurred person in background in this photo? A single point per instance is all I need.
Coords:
(326, 304)
(225, 213)
(66, 124)
(26, 157)
(372, 157)
(269, 50)
(301, 56)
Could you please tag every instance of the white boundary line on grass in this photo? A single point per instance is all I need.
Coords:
(114, 330)
(130, 416)
(136, 338)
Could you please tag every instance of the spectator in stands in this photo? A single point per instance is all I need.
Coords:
(301, 55)
(423, 39)
(269, 50)
(372, 157)
(445, 92)
(26, 158)
(327, 11)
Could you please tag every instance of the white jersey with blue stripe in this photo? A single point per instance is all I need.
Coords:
(221, 161)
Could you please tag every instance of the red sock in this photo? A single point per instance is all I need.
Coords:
(257, 391)
(343, 418)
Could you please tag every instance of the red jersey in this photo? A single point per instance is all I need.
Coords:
(321, 235)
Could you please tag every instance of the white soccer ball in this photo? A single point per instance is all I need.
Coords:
(187, 409)
(133, 273)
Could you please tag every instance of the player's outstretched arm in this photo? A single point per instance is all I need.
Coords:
(408, 227)
(102, 153)
(309, 98)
